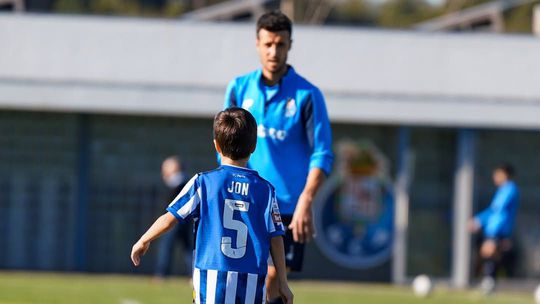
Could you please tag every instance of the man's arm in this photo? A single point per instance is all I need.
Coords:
(230, 96)
(230, 101)
(302, 225)
(163, 224)
(494, 217)
(278, 257)
(499, 218)
(479, 221)
(319, 135)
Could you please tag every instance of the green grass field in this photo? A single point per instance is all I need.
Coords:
(21, 287)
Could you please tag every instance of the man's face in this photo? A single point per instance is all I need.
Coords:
(499, 177)
(273, 48)
(168, 169)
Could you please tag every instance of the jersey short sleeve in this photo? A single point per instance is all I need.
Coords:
(186, 204)
(273, 217)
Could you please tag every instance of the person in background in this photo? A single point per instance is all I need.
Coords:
(175, 179)
(496, 225)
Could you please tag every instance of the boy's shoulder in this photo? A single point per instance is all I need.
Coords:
(210, 174)
(272, 189)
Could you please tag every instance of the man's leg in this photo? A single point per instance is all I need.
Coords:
(488, 252)
(507, 256)
(185, 231)
(294, 258)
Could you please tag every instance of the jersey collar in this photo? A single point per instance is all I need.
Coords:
(285, 79)
(237, 167)
(290, 73)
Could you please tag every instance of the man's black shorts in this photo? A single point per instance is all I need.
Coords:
(294, 252)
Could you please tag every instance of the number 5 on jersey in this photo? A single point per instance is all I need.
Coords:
(240, 228)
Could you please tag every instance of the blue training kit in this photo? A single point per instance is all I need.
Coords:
(294, 133)
(497, 221)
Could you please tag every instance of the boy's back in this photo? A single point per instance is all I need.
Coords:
(236, 216)
(237, 219)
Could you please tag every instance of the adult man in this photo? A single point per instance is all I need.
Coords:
(294, 136)
(174, 178)
(496, 223)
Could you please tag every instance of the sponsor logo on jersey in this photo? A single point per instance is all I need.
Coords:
(264, 132)
(290, 108)
(247, 103)
(276, 216)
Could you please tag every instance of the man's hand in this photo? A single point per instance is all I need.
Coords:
(138, 250)
(286, 293)
(488, 249)
(301, 225)
(474, 226)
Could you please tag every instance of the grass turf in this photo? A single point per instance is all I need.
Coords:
(23, 287)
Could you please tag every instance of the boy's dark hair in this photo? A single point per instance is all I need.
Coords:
(507, 168)
(274, 21)
(235, 130)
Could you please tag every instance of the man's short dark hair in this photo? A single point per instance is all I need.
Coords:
(176, 159)
(235, 130)
(507, 168)
(274, 21)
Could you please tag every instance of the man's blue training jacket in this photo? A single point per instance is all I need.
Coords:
(293, 132)
(497, 221)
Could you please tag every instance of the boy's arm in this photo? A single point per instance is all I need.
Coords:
(278, 257)
(163, 224)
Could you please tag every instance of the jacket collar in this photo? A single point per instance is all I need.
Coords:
(290, 74)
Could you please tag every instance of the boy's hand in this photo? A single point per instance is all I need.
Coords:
(138, 250)
(286, 293)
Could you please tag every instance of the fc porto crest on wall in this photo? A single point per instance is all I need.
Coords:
(290, 108)
(354, 209)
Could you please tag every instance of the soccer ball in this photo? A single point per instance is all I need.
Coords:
(537, 295)
(422, 286)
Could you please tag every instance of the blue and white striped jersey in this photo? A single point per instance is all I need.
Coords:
(293, 131)
(236, 215)
(229, 287)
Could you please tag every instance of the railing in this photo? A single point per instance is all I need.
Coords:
(17, 5)
(38, 217)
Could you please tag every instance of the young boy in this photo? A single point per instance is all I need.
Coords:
(236, 217)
